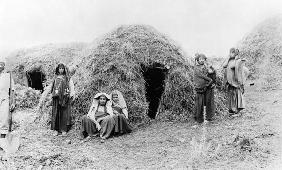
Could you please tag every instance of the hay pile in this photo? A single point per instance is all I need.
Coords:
(47, 57)
(263, 50)
(26, 97)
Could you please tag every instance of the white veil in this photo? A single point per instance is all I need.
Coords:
(121, 102)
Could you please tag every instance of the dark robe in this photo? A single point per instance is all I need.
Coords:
(204, 93)
(88, 127)
(61, 106)
(121, 126)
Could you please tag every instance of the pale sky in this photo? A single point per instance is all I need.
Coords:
(206, 26)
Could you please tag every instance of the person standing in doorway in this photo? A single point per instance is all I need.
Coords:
(204, 79)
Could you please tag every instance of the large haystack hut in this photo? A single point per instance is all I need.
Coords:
(262, 47)
(147, 67)
(37, 61)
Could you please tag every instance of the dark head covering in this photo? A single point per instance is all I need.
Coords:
(235, 51)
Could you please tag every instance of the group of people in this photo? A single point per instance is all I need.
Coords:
(108, 114)
(235, 75)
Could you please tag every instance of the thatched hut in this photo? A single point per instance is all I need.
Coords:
(29, 65)
(147, 67)
(151, 71)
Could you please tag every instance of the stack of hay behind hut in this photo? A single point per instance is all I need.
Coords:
(262, 47)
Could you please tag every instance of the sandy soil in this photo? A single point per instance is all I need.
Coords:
(250, 141)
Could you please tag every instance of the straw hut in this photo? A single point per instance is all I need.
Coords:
(31, 66)
(147, 67)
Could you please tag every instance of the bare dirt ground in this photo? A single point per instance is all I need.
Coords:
(250, 141)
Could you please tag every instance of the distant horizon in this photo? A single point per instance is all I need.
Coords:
(209, 27)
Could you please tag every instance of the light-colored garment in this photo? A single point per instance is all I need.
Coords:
(236, 72)
(4, 99)
(94, 107)
(121, 102)
(235, 77)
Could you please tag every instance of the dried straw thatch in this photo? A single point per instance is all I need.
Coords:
(262, 47)
(46, 57)
(118, 62)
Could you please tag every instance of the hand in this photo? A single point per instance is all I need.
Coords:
(242, 89)
(12, 107)
(98, 126)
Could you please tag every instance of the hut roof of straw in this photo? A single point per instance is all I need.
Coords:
(46, 56)
(116, 61)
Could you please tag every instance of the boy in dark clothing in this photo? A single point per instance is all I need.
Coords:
(204, 78)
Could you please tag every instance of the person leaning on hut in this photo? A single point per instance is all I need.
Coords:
(7, 102)
(235, 76)
(120, 113)
(204, 78)
(99, 119)
(62, 89)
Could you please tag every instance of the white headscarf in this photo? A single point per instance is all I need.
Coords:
(121, 101)
(95, 105)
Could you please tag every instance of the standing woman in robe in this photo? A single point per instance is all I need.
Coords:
(62, 89)
(99, 120)
(120, 113)
(235, 76)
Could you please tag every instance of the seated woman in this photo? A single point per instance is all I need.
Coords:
(120, 113)
(99, 118)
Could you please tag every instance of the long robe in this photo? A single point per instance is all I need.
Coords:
(61, 104)
(4, 101)
(121, 124)
(88, 126)
(234, 78)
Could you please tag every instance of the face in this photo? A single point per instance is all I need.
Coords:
(232, 54)
(115, 98)
(201, 60)
(61, 70)
(102, 100)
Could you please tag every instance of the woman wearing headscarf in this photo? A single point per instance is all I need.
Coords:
(120, 113)
(99, 118)
(204, 78)
(62, 89)
(235, 76)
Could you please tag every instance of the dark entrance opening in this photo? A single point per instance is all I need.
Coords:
(154, 76)
(35, 79)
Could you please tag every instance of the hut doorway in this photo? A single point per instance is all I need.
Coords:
(35, 79)
(154, 76)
